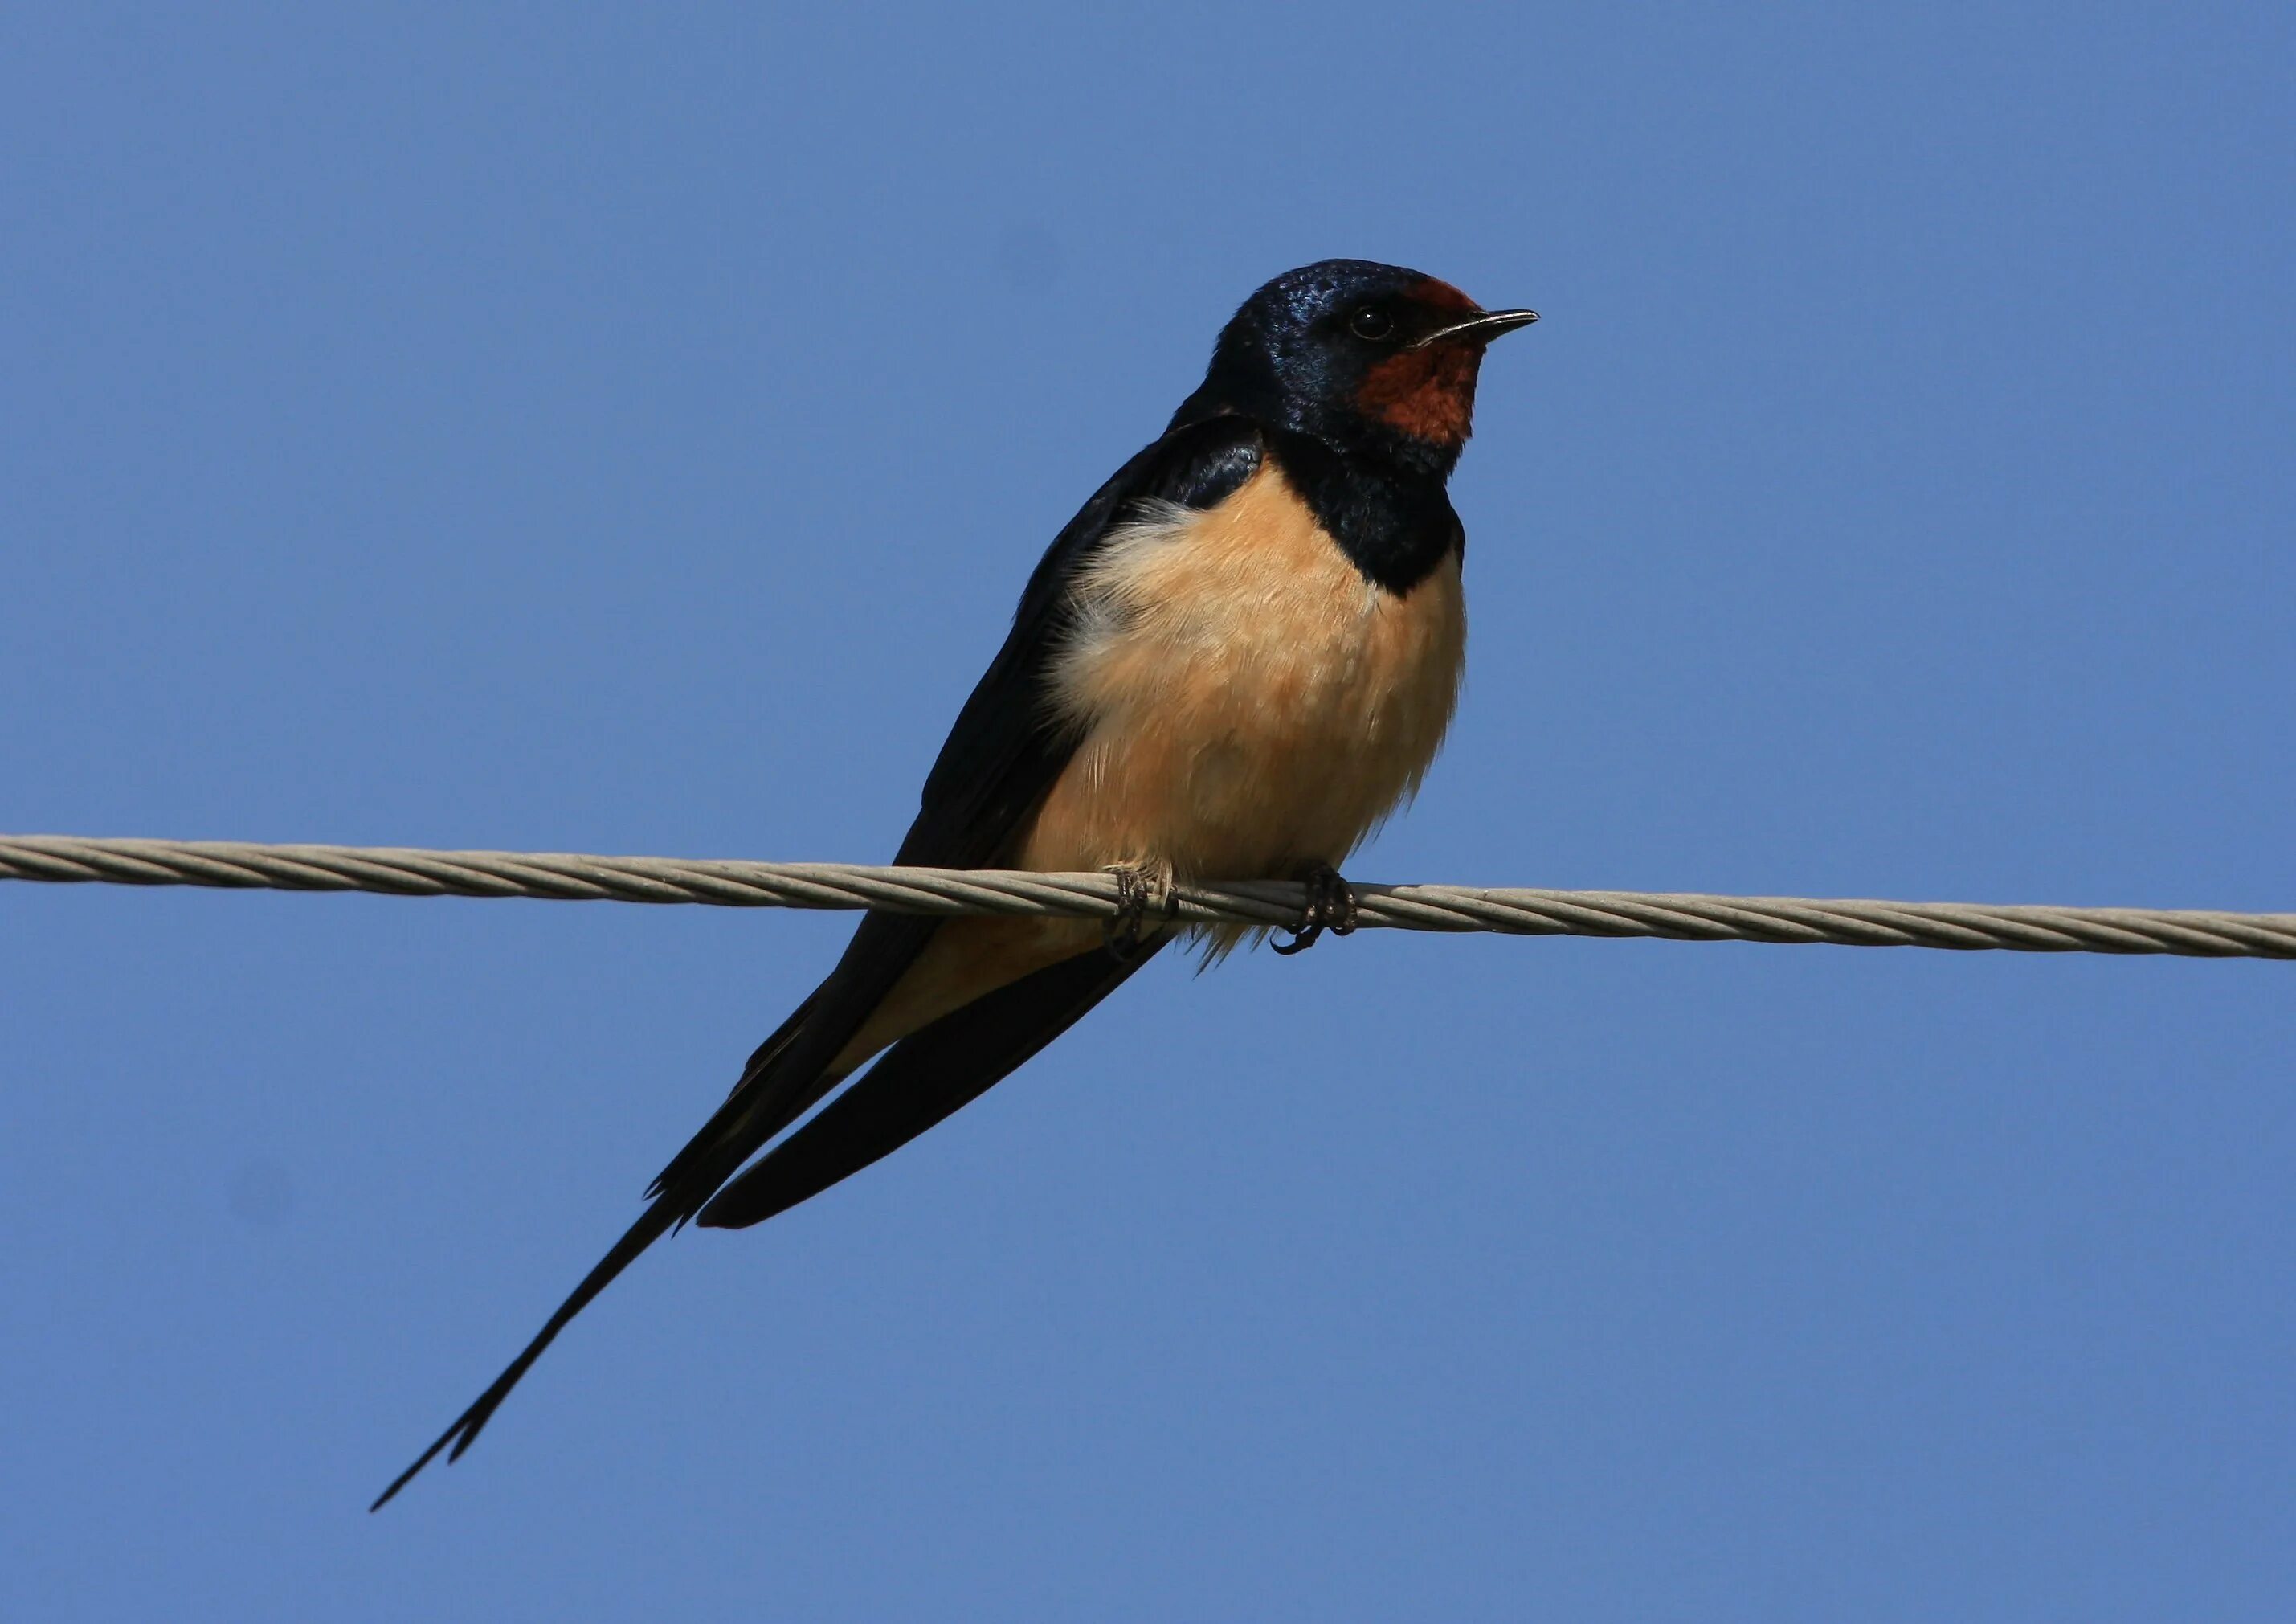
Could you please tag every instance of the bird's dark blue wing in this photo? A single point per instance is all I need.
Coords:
(999, 761)
(1003, 753)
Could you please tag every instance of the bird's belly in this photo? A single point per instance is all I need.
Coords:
(1249, 700)
(1249, 703)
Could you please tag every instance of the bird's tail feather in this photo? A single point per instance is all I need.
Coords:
(658, 1220)
(693, 1175)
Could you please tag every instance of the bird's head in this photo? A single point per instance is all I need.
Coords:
(1372, 358)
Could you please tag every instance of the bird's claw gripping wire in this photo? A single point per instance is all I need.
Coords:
(1135, 887)
(1330, 903)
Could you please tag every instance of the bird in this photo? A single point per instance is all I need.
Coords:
(1237, 660)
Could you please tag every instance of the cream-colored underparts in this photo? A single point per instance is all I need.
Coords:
(1246, 702)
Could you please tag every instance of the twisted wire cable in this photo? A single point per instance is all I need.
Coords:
(1678, 917)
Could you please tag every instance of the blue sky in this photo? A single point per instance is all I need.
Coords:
(551, 429)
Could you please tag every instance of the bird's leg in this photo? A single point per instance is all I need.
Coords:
(1331, 901)
(1137, 886)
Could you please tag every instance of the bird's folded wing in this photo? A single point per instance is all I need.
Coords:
(1003, 753)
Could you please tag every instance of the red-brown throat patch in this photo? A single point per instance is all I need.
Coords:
(1428, 394)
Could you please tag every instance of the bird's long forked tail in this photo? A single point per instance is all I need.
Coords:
(658, 1220)
(693, 1175)
(725, 1142)
(918, 1083)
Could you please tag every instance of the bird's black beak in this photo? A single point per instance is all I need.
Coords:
(1479, 329)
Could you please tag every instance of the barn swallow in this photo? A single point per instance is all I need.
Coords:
(1232, 663)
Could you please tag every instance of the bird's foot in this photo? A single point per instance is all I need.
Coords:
(1136, 888)
(1330, 903)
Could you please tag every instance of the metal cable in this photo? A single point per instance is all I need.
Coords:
(559, 876)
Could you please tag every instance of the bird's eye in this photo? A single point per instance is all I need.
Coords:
(1371, 323)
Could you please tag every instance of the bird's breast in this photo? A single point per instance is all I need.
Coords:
(1248, 700)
